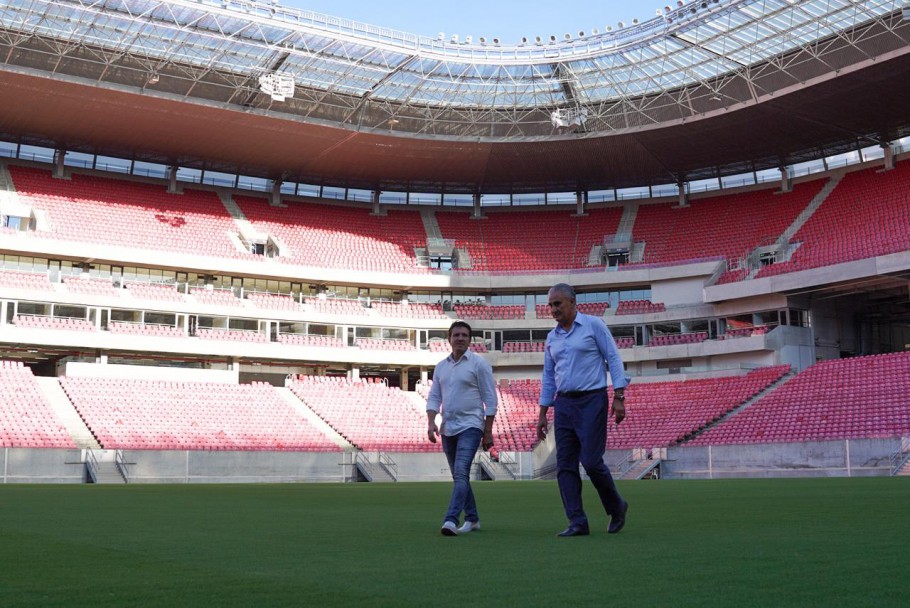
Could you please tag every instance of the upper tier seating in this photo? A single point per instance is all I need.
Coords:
(169, 415)
(661, 414)
(26, 418)
(671, 339)
(105, 211)
(483, 311)
(234, 335)
(376, 344)
(12, 279)
(529, 241)
(728, 226)
(307, 340)
(143, 329)
(744, 332)
(441, 346)
(412, 310)
(638, 307)
(335, 236)
(215, 297)
(867, 215)
(43, 322)
(84, 285)
(273, 301)
(370, 415)
(523, 347)
(862, 397)
(154, 291)
(336, 306)
(625, 341)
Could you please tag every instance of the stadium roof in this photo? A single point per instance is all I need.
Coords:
(707, 88)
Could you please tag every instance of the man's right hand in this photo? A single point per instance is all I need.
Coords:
(432, 432)
(542, 426)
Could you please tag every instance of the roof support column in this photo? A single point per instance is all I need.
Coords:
(59, 166)
(377, 208)
(581, 203)
(275, 194)
(889, 155)
(476, 213)
(786, 182)
(172, 179)
(683, 197)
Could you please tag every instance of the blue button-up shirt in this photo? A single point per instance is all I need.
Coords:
(466, 391)
(574, 360)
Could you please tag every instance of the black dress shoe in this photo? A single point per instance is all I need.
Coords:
(573, 530)
(618, 520)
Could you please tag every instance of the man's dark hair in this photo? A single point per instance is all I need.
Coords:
(459, 324)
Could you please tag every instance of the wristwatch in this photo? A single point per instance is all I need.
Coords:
(619, 395)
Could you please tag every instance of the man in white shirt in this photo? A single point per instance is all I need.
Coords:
(464, 389)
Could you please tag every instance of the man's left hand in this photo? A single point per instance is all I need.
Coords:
(487, 441)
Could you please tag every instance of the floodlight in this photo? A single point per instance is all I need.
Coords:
(441, 36)
(658, 13)
(552, 38)
(609, 28)
(153, 78)
(468, 39)
(635, 22)
(620, 25)
(483, 40)
(581, 33)
(538, 40)
(454, 38)
(524, 39)
(594, 31)
(496, 41)
(567, 36)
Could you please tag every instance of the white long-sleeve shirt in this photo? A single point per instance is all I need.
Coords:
(465, 392)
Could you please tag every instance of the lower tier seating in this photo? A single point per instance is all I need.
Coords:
(26, 418)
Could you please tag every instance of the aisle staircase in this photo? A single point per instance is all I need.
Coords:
(65, 411)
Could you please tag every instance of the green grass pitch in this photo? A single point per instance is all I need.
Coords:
(783, 542)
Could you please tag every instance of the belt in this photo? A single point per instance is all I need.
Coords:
(577, 394)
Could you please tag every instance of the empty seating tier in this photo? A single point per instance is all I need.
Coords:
(862, 397)
(26, 418)
(165, 415)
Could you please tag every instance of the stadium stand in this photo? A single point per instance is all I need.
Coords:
(166, 415)
(855, 221)
(104, 211)
(412, 310)
(26, 419)
(154, 291)
(272, 301)
(861, 397)
(25, 280)
(309, 340)
(488, 312)
(235, 335)
(144, 329)
(370, 415)
(726, 226)
(377, 344)
(356, 239)
(45, 322)
(525, 241)
(661, 414)
(84, 285)
(638, 307)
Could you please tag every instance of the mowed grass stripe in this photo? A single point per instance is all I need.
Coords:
(790, 542)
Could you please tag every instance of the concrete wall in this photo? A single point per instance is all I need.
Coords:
(25, 465)
(845, 458)
(849, 458)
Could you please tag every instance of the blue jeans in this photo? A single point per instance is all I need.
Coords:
(581, 436)
(460, 450)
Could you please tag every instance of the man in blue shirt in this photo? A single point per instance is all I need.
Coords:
(575, 383)
(463, 385)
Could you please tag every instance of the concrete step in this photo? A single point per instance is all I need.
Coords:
(67, 413)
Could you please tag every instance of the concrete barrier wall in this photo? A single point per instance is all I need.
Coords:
(844, 458)
(25, 465)
(854, 458)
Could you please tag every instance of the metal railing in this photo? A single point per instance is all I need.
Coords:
(122, 467)
(388, 465)
(91, 465)
(898, 459)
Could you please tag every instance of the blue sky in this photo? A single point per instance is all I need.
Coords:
(507, 20)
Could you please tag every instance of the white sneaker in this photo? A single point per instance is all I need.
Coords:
(449, 529)
(469, 526)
